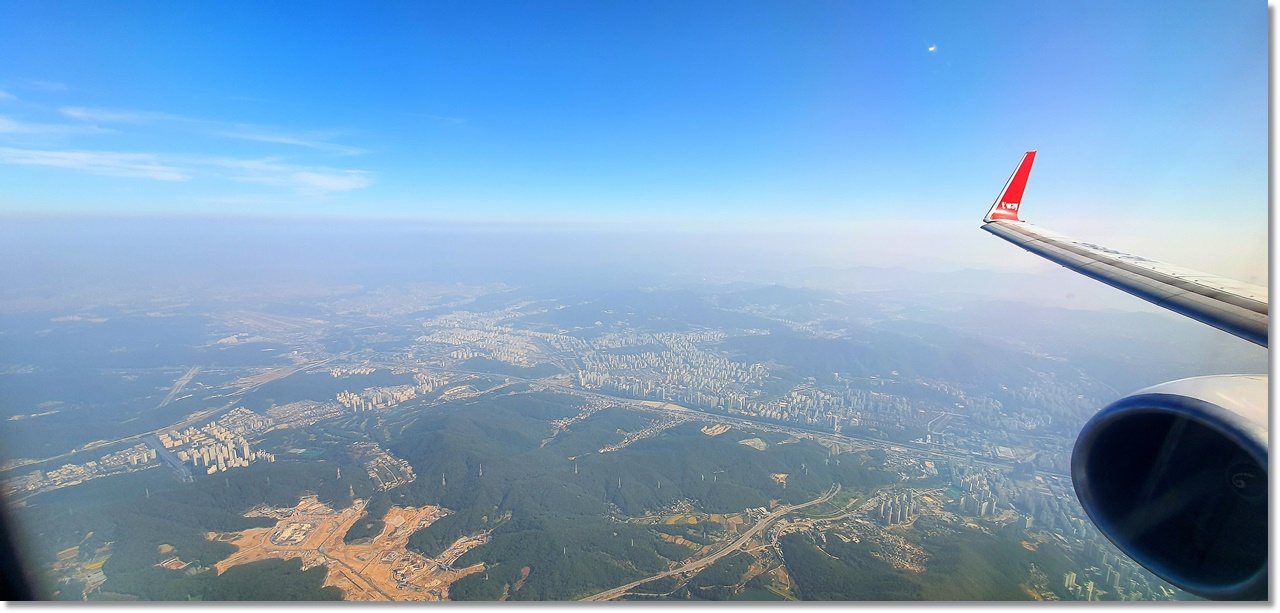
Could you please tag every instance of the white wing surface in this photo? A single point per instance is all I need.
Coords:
(1229, 305)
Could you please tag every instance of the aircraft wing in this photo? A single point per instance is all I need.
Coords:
(1226, 304)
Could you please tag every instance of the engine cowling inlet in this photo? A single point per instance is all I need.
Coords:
(1176, 476)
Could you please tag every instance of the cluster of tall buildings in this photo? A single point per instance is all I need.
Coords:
(1083, 591)
(133, 456)
(1049, 506)
(984, 492)
(1114, 573)
(344, 371)
(243, 421)
(981, 503)
(835, 409)
(428, 382)
(1055, 513)
(1042, 398)
(125, 460)
(675, 370)
(374, 398)
(808, 404)
(499, 342)
(219, 456)
(683, 368)
(303, 413)
(898, 509)
(220, 445)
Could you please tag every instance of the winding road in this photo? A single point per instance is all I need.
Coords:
(711, 559)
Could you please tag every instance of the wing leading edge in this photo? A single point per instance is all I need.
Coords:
(1231, 306)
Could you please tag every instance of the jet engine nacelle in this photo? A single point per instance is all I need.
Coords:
(1176, 476)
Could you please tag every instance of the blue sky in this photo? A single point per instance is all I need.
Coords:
(646, 112)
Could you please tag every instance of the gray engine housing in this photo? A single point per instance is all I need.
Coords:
(1176, 476)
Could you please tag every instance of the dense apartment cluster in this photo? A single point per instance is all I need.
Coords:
(673, 368)
(220, 445)
(126, 460)
(499, 343)
(1115, 573)
(346, 371)
(303, 413)
(984, 492)
(689, 368)
(377, 398)
(898, 508)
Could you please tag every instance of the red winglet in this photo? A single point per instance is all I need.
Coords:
(1006, 206)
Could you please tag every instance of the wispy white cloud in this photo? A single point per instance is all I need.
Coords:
(111, 116)
(107, 163)
(301, 179)
(8, 125)
(297, 141)
(222, 129)
(275, 172)
(4, 95)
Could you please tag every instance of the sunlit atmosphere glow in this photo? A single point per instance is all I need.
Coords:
(656, 115)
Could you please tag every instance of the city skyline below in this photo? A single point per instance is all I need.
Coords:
(403, 441)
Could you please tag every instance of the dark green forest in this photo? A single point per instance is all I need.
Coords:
(137, 513)
(964, 564)
(564, 525)
(568, 527)
(856, 575)
(719, 580)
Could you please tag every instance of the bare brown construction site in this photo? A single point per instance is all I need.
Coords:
(379, 569)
